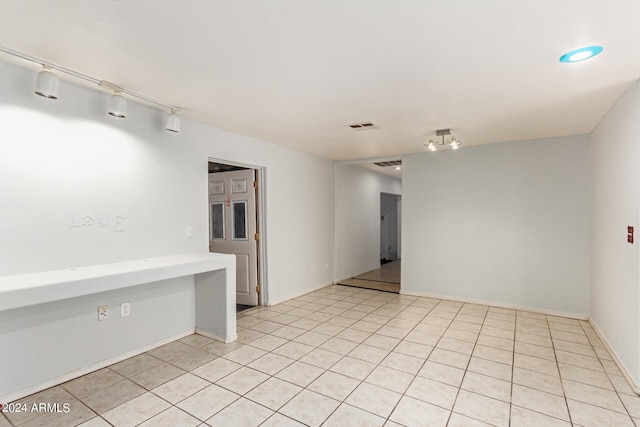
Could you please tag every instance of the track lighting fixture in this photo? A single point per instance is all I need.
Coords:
(173, 122)
(118, 106)
(47, 83)
(47, 86)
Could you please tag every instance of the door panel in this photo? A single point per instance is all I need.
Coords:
(242, 274)
(232, 227)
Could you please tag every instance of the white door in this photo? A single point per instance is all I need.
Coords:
(232, 227)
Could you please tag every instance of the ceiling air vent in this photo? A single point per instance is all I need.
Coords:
(363, 126)
(390, 163)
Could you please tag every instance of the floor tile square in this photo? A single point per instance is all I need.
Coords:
(207, 402)
(136, 411)
(451, 358)
(403, 362)
(535, 364)
(270, 363)
(539, 401)
(180, 388)
(312, 338)
(321, 358)
(381, 341)
(293, 350)
(242, 380)
(288, 332)
(339, 345)
(193, 360)
(334, 385)
(534, 350)
(267, 326)
(354, 368)
(172, 417)
(154, 377)
(487, 386)
(347, 415)
(538, 381)
(390, 379)
(245, 355)
(300, 373)
(93, 382)
(456, 345)
(413, 412)
(433, 392)
(579, 360)
(533, 339)
(586, 376)
(310, 408)
(279, 420)
(112, 396)
(374, 399)
(216, 369)
(241, 413)
(171, 351)
(269, 342)
(593, 395)
(369, 353)
(443, 373)
(219, 348)
(136, 365)
(247, 336)
(586, 415)
(482, 408)
(494, 354)
(273, 393)
(526, 418)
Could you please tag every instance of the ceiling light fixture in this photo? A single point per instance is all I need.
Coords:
(453, 143)
(173, 122)
(581, 54)
(47, 83)
(47, 86)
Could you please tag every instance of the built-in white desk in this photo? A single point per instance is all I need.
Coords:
(22, 295)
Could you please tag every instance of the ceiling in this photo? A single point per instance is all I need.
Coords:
(296, 73)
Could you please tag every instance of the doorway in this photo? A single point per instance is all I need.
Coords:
(390, 227)
(235, 210)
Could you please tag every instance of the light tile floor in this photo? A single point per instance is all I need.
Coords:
(344, 356)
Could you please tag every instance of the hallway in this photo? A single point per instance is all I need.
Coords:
(385, 278)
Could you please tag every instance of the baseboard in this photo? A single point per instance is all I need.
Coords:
(274, 302)
(88, 369)
(616, 359)
(215, 336)
(496, 304)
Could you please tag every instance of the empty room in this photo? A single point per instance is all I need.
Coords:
(337, 213)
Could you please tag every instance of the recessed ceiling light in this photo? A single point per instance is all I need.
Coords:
(581, 54)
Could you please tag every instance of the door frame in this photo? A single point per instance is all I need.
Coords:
(261, 214)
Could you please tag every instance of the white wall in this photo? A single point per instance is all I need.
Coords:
(357, 218)
(616, 202)
(64, 159)
(503, 223)
(79, 187)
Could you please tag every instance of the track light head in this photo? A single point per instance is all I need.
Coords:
(118, 106)
(173, 122)
(47, 83)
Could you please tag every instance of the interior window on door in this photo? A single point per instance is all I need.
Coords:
(240, 220)
(217, 221)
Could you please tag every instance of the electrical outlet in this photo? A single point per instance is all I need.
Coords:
(103, 312)
(125, 309)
